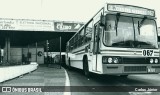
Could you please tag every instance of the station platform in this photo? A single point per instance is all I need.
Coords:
(42, 76)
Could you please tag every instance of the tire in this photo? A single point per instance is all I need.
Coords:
(85, 67)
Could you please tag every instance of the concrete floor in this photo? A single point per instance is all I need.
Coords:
(43, 76)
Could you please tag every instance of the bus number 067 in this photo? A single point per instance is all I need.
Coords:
(147, 52)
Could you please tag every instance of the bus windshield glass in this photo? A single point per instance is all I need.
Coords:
(130, 32)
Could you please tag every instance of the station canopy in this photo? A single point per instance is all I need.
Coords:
(23, 32)
(39, 25)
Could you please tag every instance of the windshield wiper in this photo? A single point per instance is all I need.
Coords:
(117, 20)
(141, 23)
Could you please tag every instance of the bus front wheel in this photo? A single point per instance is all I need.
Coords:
(85, 67)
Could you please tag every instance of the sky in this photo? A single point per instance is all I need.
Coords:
(64, 10)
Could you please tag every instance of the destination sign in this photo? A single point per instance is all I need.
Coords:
(130, 9)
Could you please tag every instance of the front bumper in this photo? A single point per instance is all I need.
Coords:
(125, 69)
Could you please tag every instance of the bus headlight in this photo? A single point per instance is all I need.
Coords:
(115, 60)
(110, 60)
(151, 60)
(156, 60)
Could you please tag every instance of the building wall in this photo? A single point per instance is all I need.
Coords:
(16, 54)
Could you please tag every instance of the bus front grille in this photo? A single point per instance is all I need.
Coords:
(135, 68)
(135, 61)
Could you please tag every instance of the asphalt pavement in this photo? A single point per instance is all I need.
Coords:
(116, 83)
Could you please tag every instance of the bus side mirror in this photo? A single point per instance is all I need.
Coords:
(102, 20)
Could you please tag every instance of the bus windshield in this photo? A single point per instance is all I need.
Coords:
(130, 32)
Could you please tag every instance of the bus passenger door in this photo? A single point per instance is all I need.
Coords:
(96, 45)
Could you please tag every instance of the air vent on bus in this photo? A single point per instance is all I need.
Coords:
(134, 68)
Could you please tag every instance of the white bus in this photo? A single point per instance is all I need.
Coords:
(118, 40)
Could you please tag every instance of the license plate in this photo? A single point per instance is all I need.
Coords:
(151, 70)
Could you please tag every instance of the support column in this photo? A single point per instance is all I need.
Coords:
(28, 55)
(7, 52)
(36, 51)
(60, 51)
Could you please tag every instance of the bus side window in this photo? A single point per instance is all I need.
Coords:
(67, 47)
(76, 41)
(81, 37)
(71, 44)
(88, 34)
